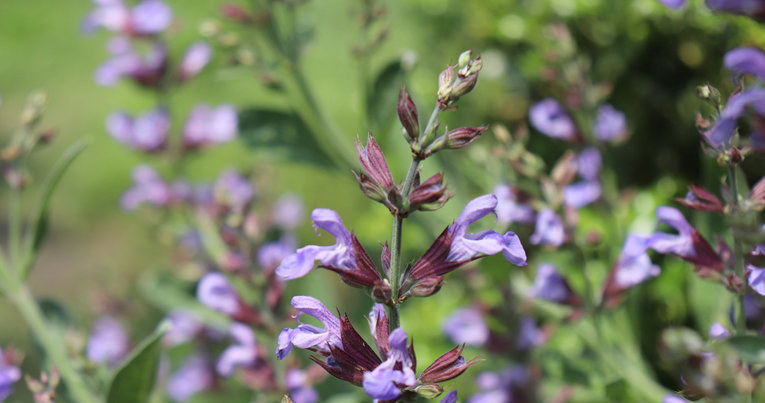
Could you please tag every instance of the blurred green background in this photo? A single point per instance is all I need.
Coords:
(652, 57)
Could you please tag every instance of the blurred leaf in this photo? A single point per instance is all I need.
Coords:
(383, 96)
(282, 135)
(134, 380)
(167, 293)
(749, 347)
(39, 218)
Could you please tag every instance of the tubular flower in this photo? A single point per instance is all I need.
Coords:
(633, 267)
(687, 244)
(241, 354)
(551, 286)
(610, 123)
(309, 336)
(145, 69)
(194, 376)
(455, 247)
(147, 132)
(549, 117)
(549, 229)
(466, 326)
(210, 125)
(149, 17)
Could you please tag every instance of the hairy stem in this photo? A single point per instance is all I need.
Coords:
(54, 348)
(738, 266)
(398, 221)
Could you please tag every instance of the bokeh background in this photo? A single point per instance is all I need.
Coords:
(652, 57)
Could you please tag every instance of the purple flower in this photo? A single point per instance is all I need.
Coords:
(529, 334)
(754, 8)
(194, 376)
(718, 331)
(184, 328)
(271, 254)
(497, 387)
(206, 125)
(673, 3)
(687, 244)
(146, 70)
(108, 342)
(634, 265)
(9, 374)
(610, 123)
(746, 60)
(148, 17)
(508, 209)
(673, 399)
(310, 336)
(147, 132)
(466, 326)
(215, 292)
(288, 212)
(725, 125)
(465, 246)
(148, 188)
(384, 382)
(550, 285)
(300, 390)
(580, 194)
(549, 229)
(196, 58)
(241, 354)
(339, 255)
(588, 164)
(234, 191)
(756, 278)
(549, 117)
(450, 397)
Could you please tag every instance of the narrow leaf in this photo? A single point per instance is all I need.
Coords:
(134, 380)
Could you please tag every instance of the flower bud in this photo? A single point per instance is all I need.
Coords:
(33, 109)
(407, 114)
(445, 81)
(463, 136)
(235, 12)
(429, 390)
(464, 58)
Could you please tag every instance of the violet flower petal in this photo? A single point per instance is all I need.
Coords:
(550, 285)
(450, 397)
(307, 336)
(580, 194)
(634, 265)
(466, 326)
(756, 278)
(192, 377)
(549, 229)
(151, 17)
(240, 354)
(108, 342)
(549, 117)
(215, 292)
(746, 60)
(195, 59)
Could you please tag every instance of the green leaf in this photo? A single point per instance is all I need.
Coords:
(281, 135)
(134, 380)
(39, 218)
(167, 293)
(383, 97)
(750, 348)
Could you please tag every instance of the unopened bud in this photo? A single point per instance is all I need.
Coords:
(370, 188)
(209, 28)
(445, 81)
(407, 114)
(565, 169)
(464, 58)
(463, 136)
(429, 390)
(427, 286)
(735, 156)
(33, 109)
(463, 85)
(235, 12)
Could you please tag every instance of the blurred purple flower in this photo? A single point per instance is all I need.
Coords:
(687, 244)
(673, 3)
(549, 117)
(288, 212)
(580, 194)
(339, 255)
(450, 397)
(634, 265)
(271, 255)
(308, 336)
(550, 285)
(194, 376)
(241, 354)
(497, 387)
(756, 278)
(196, 58)
(725, 125)
(206, 125)
(529, 334)
(146, 70)
(234, 191)
(465, 246)
(9, 374)
(610, 123)
(147, 18)
(746, 60)
(549, 229)
(147, 132)
(466, 326)
(673, 399)
(718, 331)
(754, 8)
(589, 163)
(215, 292)
(384, 382)
(184, 328)
(300, 391)
(509, 210)
(148, 188)
(108, 341)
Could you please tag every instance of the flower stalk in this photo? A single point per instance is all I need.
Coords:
(738, 266)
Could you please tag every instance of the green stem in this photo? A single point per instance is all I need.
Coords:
(738, 266)
(54, 347)
(14, 227)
